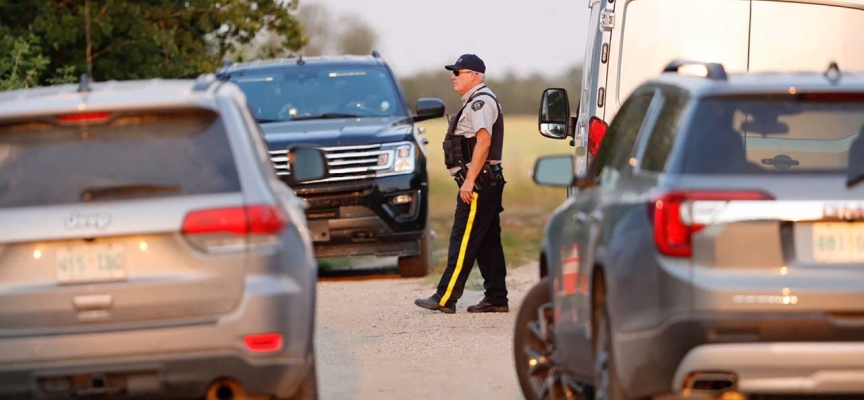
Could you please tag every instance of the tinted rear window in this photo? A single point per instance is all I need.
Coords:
(780, 134)
(132, 156)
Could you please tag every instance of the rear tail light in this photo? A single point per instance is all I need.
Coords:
(263, 343)
(229, 229)
(596, 131)
(84, 117)
(679, 215)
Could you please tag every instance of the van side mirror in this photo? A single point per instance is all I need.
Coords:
(554, 115)
(428, 108)
(307, 164)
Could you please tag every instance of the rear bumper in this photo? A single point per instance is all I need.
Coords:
(782, 368)
(171, 376)
(655, 358)
(176, 361)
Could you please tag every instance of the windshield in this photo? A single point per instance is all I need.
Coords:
(310, 92)
(809, 133)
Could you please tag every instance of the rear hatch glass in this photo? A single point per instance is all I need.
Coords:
(787, 134)
(129, 156)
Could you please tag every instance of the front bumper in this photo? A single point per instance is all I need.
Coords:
(178, 361)
(655, 359)
(363, 218)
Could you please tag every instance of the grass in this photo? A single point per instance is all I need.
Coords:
(526, 205)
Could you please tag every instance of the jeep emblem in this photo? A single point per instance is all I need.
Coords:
(81, 220)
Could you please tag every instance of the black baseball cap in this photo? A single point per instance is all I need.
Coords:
(468, 61)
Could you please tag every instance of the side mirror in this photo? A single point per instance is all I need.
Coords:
(307, 164)
(554, 115)
(554, 171)
(428, 108)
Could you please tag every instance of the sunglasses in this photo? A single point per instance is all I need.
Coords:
(456, 72)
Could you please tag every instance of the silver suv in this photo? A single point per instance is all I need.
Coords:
(147, 247)
(716, 245)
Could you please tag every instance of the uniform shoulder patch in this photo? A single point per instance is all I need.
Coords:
(478, 104)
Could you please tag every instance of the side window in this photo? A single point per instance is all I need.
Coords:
(617, 144)
(664, 132)
(257, 137)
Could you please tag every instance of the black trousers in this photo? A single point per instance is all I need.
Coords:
(476, 235)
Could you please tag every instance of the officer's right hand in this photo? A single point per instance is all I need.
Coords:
(466, 192)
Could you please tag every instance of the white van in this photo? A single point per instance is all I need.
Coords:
(630, 41)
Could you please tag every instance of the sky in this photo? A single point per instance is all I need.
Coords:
(519, 36)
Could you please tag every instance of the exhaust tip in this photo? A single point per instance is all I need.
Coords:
(225, 389)
(711, 382)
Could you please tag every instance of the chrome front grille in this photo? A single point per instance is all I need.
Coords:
(345, 163)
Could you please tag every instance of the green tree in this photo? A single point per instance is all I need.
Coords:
(136, 39)
(22, 63)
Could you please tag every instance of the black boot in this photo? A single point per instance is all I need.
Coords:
(485, 306)
(432, 303)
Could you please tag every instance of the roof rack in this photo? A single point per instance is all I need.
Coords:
(708, 70)
(203, 82)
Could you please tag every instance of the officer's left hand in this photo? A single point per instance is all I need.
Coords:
(466, 192)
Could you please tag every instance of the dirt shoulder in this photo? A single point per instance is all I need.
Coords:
(373, 343)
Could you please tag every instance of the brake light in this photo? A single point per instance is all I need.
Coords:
(596, 131)
(258, 219)
(678, 215)
(85, 117)
(263, 343)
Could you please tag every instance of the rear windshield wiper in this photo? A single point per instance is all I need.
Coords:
(267, 121)
(326, 116)
(126, 191)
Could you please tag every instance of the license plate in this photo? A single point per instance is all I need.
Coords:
(92, 263)
(838, 242)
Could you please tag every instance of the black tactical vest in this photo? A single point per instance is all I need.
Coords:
(459, 148)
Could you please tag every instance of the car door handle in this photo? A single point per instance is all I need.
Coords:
(580, 217)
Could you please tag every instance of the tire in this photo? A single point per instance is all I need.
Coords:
(606, 382)
(309, 387)
(421, 264)
(532, 341)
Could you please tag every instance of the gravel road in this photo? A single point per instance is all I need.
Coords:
(373, 343)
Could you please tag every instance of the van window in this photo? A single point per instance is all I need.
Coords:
(133, 156)
(657, 32)
(795, 36)
(779, 134)
(664, 133)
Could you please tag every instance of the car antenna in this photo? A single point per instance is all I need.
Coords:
(301, 61)
(84, 84)
(833, 72)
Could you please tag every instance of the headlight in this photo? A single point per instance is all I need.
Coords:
(402, 156)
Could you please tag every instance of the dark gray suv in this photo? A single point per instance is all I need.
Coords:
(716, 245)
(148, 249)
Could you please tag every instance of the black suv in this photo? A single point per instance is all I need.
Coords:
(376, 199)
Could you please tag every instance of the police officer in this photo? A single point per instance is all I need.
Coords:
(472, 153)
